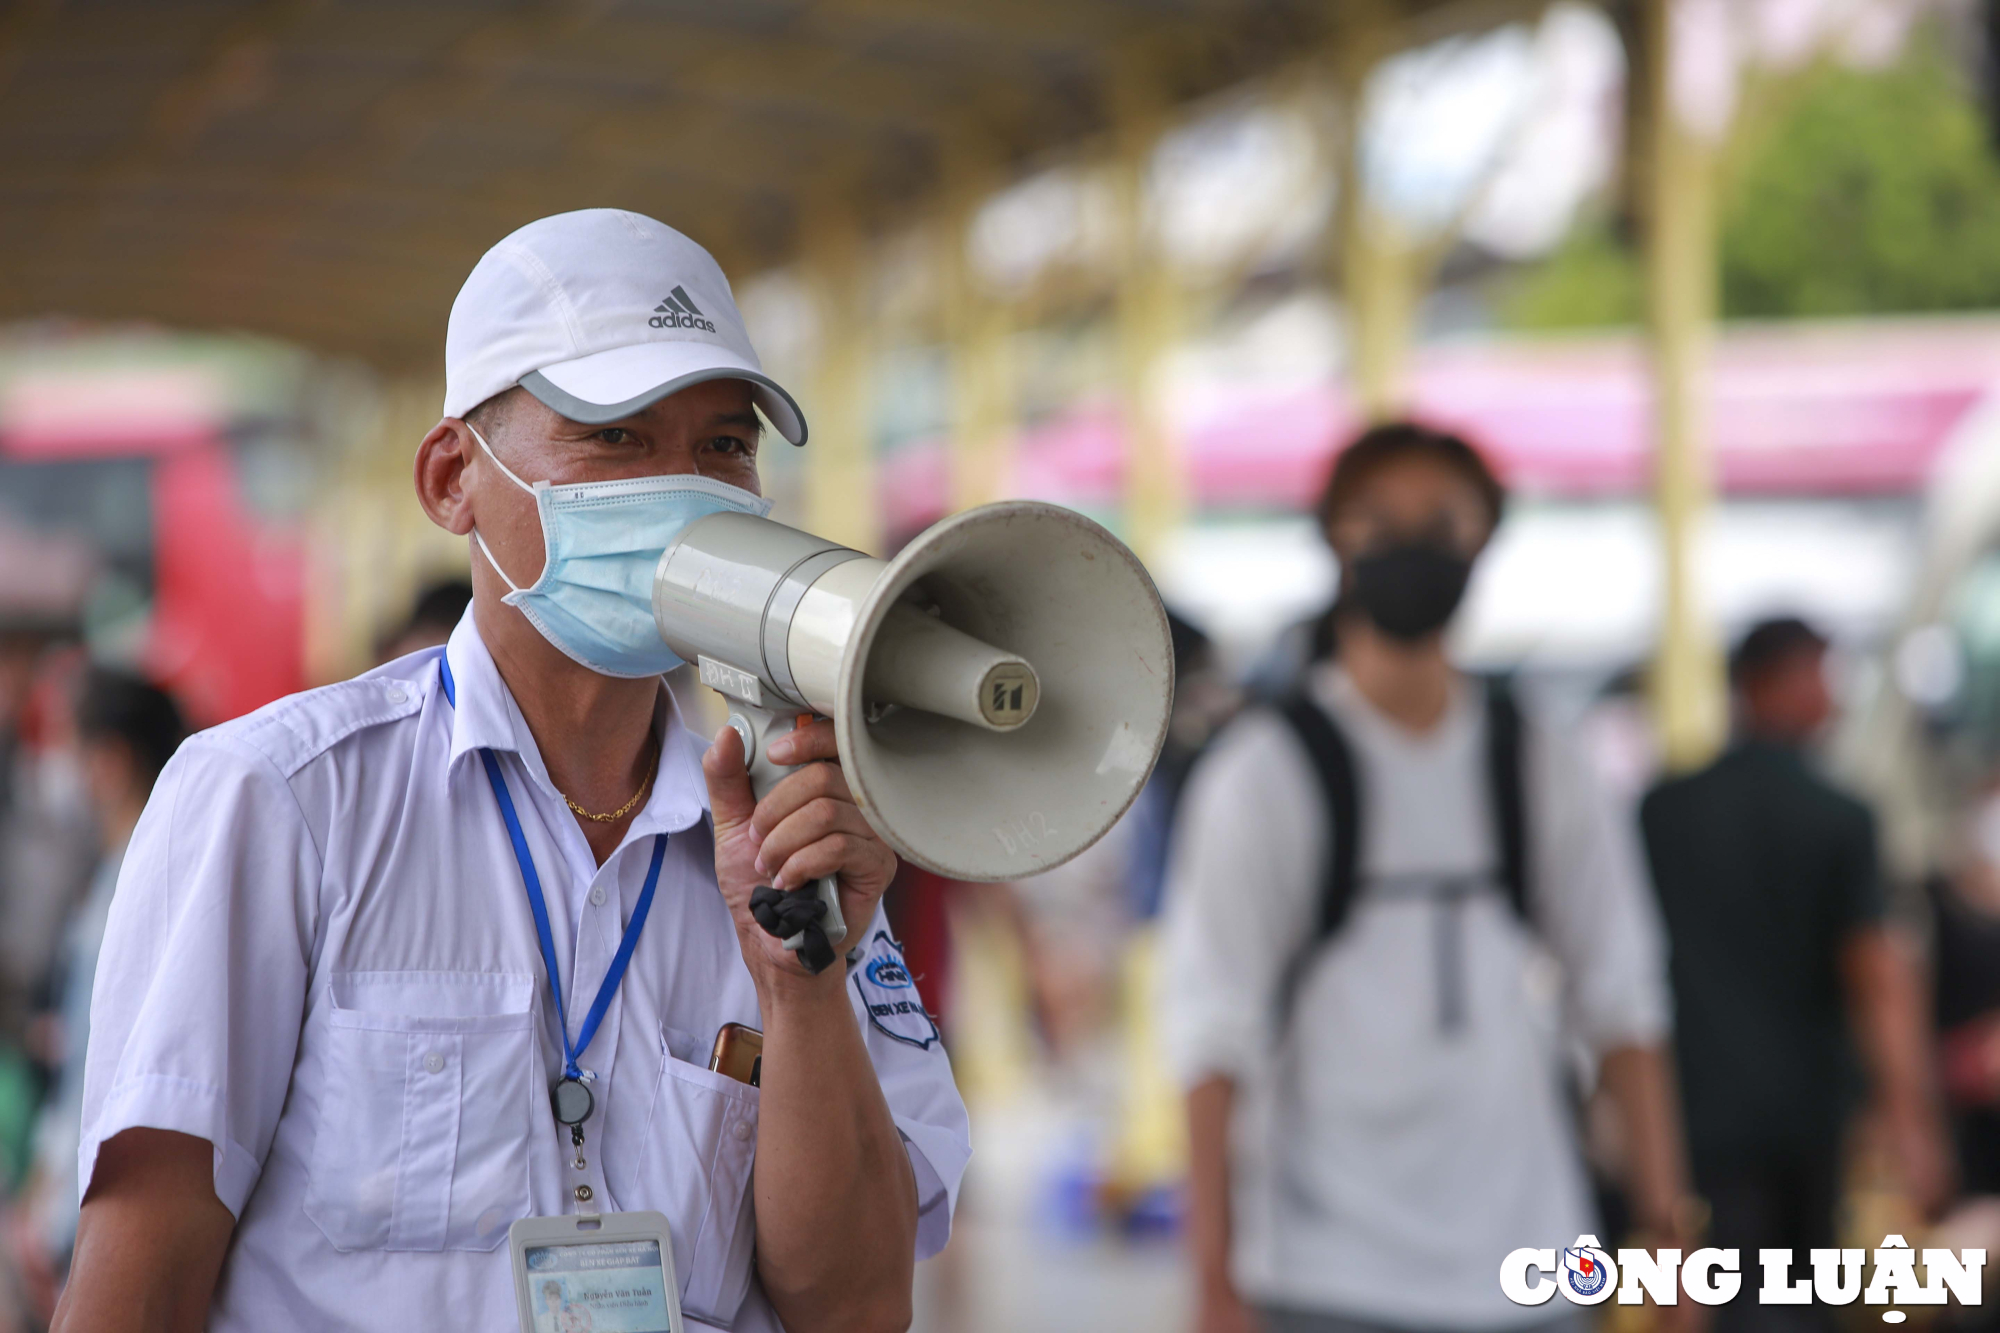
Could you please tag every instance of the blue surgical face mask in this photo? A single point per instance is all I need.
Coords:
(601, 542)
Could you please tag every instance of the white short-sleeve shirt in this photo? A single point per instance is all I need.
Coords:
(321, 959)
(1385, 1155)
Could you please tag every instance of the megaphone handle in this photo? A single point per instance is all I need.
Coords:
(759, 727)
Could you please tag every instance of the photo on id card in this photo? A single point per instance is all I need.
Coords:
(616, 1275)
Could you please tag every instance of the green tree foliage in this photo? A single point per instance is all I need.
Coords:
(1869, 191)
(1879, 191)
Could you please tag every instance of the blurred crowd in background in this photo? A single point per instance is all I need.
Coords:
(195, 524)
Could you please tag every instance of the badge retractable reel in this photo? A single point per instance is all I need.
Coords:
(570, 1099)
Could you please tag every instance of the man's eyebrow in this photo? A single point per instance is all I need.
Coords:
(750, 420)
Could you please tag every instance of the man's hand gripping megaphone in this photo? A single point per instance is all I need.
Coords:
(771, 854)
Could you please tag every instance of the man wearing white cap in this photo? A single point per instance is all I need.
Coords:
(398, 963)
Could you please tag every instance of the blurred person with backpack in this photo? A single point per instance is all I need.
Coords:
(126, 730)
(1784, 964)
(1392, 896)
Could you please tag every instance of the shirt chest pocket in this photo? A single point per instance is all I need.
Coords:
(694, 1166)
(426, 1099)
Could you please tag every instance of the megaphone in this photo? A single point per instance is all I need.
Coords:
(999, 690)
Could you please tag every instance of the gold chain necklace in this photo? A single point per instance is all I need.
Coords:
(617, 814)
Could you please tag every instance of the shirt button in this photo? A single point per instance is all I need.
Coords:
(396, 695)
(740, 1131)
(434, 1062)
(597, 896)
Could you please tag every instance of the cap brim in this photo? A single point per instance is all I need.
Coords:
(612, 385)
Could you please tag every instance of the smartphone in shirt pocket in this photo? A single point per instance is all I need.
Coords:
(739, 1054)
(694, 1160)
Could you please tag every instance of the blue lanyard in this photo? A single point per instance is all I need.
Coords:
(616, 973)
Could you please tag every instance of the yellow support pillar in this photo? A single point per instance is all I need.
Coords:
(1383, 269)
(980, 327)
(1383, 286)
(1690, 695)
(840, 500)
(1147, 304)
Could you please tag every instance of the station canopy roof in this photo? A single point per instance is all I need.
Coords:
(328, 170)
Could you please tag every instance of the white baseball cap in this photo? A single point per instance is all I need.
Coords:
(600, 313)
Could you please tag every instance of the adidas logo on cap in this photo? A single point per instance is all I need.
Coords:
(679, 311)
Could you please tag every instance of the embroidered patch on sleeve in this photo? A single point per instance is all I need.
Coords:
(889, 994)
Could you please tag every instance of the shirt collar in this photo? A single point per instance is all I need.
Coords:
(1334, 684)
(485, 717)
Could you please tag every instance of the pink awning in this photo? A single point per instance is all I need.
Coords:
(1856, 408)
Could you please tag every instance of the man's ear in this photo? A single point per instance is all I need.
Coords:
(441, 461)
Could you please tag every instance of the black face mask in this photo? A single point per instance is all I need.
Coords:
(1409, 590)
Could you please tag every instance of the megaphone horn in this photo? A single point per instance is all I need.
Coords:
(999, 690)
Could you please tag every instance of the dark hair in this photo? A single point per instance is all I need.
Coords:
(1378, 446)
(117, 705)
(441, 606)
(1188, 639)
(1771, 643)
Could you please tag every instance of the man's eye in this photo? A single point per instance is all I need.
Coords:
(730, 444)
(614, 435)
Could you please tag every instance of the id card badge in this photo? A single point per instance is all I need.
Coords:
(612, 1273)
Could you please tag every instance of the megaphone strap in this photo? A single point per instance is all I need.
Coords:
(785, 913)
